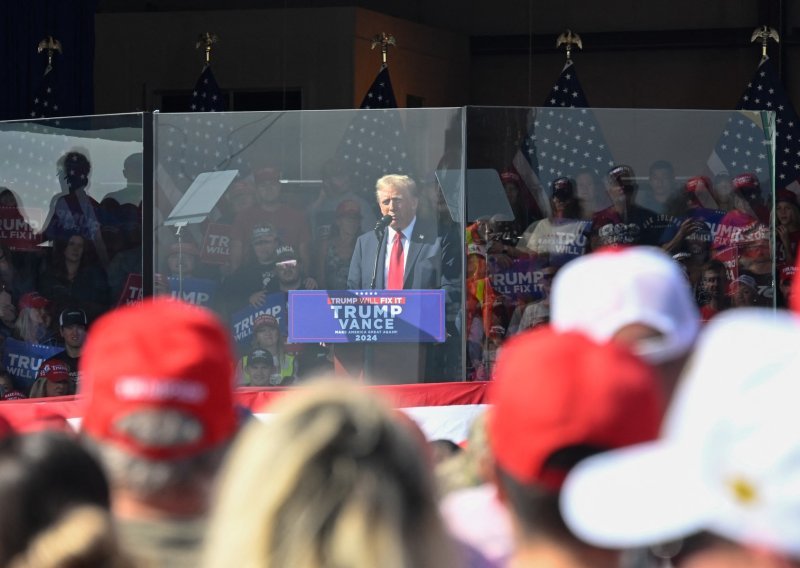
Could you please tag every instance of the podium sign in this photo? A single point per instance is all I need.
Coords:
(366, 316)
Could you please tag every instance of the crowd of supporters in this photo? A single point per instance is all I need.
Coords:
(262, 241)
(640, 438)
(718, 231)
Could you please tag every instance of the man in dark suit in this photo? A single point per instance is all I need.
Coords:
(423, 249)
(411, 255)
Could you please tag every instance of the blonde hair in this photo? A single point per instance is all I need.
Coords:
(331, 479)
(83, 536)
(469, 468)
(397, 181)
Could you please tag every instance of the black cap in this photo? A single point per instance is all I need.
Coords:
(563, 189)
(72, 316)
(260, 356)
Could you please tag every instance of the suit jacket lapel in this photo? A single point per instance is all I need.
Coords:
(419, 238)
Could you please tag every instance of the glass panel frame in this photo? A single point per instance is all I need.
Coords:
(70, 229)
(305, 188)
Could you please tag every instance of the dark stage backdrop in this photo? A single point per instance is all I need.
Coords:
(22, 25)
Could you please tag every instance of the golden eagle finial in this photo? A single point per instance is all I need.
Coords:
(569, 39)
(384, 40)
(764, 34)
(206, 40)
(49, 44)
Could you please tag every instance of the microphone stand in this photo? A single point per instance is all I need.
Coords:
(380, 232)
(369, 354)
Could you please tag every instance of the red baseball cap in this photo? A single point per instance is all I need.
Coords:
(41, 419)
(745, 180)
(747, 185)
(794, 296)
(183, 364)
(55, 371)
(555, 393)
(6, 429)
(265, 320)
(787, 195)
(33, 300)
(693, 183)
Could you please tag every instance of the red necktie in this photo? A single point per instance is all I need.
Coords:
(394, 279)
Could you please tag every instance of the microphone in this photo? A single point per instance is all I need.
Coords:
(380, 231)
(383, 222)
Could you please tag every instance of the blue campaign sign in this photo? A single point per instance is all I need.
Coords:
(520, 280)
(365, 316)
(22, 361)
(242, 321)
(198, 291)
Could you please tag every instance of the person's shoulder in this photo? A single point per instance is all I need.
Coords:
(426, 227)
(604, 215)
(366, 236)
(644, 212)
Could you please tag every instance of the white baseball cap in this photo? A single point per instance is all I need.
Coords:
(602, 292)
(728, 460)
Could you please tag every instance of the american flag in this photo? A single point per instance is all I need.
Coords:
(563, 138)
(190, 144)
(45, 103)
(207, 96)
(380, 93)
(28, 163)
(374, 143)
(744, 145)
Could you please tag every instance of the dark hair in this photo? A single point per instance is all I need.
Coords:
(42, 477)
(75, 168)
(58, 260)
(535, 508)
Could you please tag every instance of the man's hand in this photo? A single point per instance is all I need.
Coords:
(257, 299)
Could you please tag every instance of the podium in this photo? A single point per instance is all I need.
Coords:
(378, 336)
(382, 364)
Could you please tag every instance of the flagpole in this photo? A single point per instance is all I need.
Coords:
(45, 102)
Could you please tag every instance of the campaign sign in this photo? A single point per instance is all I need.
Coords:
(243, 320)
(364, 316)
(132, 291)
(520, 280)
(197, 291)
(217, 244)
(22, 361)
(18, 232)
